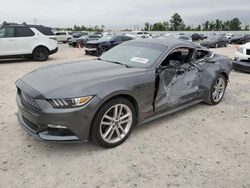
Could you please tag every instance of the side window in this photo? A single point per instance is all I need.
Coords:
(178, 57)
(60, 33)
(7, 32)
(23, 32)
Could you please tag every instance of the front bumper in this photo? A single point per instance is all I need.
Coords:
(76, 120)
(241, 66)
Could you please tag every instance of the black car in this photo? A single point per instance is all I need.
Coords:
(240, 38)
(80, 34)
(215, 41)
(104, 44)
(135, 82)
(196, 37)
(75, 42)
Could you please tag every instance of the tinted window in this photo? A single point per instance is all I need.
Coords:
(116, 38)
(45, 30)
(125, 38)
(7, 32)
(24, 32)
(61, 34)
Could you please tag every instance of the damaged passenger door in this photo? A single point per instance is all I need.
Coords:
(177, 80)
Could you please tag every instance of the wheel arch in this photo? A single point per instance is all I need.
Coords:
(225, 75)
(112, 97)
(40, 46)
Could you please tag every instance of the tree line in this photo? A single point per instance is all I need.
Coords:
(84, 28)
(176, 23)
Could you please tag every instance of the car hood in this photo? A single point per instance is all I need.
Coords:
(74, 79)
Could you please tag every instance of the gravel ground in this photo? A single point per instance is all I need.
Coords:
(202, 146)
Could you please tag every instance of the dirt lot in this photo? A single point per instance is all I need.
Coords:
(203, 146)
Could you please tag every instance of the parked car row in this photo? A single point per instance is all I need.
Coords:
(38, 42)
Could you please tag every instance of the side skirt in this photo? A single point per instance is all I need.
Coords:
(165, 113)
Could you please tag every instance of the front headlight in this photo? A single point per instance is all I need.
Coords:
(69, 103)
(240, 49)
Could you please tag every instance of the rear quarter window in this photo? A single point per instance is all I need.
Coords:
(45, 30)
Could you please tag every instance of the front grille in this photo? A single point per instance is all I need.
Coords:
(248, 52)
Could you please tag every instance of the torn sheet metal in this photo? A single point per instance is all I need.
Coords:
(176, 86)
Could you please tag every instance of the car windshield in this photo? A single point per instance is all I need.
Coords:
(132, 55)
(105, 38)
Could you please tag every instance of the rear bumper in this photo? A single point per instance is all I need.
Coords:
(76, 120)
(53, 51)
(241, 66)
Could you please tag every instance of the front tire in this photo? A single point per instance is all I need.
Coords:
(217, 90)
(113, 123)
(40, 54)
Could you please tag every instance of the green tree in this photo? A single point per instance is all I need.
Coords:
(235, 24)
(206, 26)
(158, 27)
(218, 25)
(176, 22)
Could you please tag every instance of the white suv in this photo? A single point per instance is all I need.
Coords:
(63, 36)
(24, 40)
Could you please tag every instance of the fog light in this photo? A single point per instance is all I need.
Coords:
(57, 126)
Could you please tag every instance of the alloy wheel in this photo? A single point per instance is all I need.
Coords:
(116, 123)
(219, 89)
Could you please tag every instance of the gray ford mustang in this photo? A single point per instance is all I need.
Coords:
(102, 100)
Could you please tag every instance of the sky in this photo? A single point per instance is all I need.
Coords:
(120, 13)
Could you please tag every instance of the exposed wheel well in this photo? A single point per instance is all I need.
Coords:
(225, 75)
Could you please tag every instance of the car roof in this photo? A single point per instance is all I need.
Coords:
(167, 42)
(5, 24)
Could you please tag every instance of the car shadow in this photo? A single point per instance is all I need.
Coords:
(157, 122)
(18, 60)
(76, 149)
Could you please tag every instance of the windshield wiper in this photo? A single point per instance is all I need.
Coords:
(115, 62)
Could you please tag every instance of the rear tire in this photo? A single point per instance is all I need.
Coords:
(113, 123)
(40, 53)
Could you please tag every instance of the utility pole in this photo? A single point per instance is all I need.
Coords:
(35, 20)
